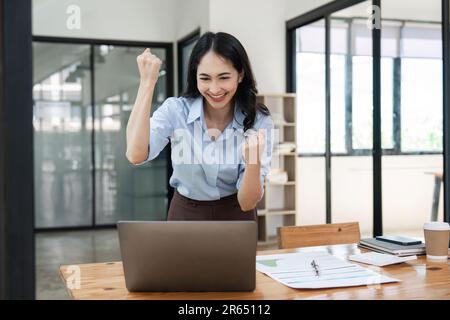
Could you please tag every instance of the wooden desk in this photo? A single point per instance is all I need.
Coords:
(420, 280)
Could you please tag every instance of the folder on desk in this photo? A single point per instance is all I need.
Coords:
(392, 248)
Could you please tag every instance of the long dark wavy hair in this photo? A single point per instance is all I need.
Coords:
(228, 47)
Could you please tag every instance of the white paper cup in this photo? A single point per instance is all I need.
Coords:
(436, 240)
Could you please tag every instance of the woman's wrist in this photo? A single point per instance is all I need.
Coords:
(253, 167)
(148, 83)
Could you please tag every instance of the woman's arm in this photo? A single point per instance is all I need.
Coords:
(250, 192)
(138, 127)
(251, 189)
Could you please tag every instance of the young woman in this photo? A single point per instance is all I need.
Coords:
(221, 138)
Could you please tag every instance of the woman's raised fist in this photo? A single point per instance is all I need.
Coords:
(149, 66)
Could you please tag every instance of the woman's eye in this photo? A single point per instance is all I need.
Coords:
(224, 78)
(204, 79)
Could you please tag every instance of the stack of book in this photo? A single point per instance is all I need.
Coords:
(277, 175)
(284, 147)
(395, 249)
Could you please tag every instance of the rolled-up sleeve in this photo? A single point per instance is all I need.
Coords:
(161, 128)
(267, 124)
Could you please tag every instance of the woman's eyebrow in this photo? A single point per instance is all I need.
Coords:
(220, 74)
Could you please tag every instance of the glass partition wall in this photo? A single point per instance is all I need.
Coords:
(310, 75)
(345, 88)
(82, 177)
(62, 135)
(412, 174)
(124, 191)
(351, 118)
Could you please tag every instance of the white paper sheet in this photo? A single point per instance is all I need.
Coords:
(294, 270)
(379, 259)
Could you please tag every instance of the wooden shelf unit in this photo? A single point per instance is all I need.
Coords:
(282, 109)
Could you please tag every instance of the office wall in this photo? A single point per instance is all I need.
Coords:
(294, 8)
(190, 15)
(143, 20)
(259, 25)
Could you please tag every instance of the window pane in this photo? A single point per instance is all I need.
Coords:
(123, 191)
(339, 84)
(421, 93)
(310, 75)
(387, 103)
(351, 107)
(62, 139)
(362, 101)
(311, 190)
(338, 102)
(409, 187)
(310, 78)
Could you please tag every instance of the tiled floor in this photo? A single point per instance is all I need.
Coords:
(75, 247)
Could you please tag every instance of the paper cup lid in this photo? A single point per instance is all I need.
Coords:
(436, 225)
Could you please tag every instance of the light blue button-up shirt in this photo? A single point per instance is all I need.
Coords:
(203, 168)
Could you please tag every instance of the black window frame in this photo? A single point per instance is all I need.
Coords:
(325, 12)
(445, 7)
(183, 42)
(396, 115)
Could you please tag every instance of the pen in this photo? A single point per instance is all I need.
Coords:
(315, 266)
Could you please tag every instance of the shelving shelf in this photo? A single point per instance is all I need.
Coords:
(289, 183)
(284, 153)
(279, 198)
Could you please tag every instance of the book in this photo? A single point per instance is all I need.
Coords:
(395, 249)
(277, 177)
(379, 259)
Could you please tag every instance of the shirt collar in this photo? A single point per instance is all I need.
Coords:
(238, 118)
(196, 111)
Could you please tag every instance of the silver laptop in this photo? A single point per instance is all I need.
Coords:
(188, 255)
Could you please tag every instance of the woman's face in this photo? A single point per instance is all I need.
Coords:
(217, 80)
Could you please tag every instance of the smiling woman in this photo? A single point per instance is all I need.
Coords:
(218, 90)
(217, 120)
(223, 54)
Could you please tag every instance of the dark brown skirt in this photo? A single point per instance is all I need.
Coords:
(227, 208)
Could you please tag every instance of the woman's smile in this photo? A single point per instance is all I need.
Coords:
(217, 98)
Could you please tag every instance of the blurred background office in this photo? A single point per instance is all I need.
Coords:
(85, 81)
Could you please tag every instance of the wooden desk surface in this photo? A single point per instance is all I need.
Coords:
(420, 279)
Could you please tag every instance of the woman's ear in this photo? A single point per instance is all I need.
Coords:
(241, 76)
